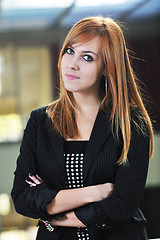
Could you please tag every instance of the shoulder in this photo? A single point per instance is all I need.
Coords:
(39, 111)
(37, 117)
(140, 135)
(39, 114)
(138, 123)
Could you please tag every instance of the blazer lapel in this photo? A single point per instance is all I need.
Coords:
(100, 132)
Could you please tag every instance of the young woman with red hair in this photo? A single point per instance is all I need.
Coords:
(84, 158)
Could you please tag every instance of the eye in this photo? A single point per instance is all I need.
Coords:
(69, 51)
(88, 58)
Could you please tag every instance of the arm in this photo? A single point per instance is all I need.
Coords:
(80, 196)
(128, 189)
(32, 201)
(28, 201)
(69, 220)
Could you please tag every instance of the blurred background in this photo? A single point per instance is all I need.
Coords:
(31, 35)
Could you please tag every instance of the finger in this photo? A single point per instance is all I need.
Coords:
(40, 179)
(59, 222)
(53, 222)
(30, 183)
(34, 179)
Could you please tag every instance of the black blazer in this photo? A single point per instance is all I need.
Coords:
(116, 217)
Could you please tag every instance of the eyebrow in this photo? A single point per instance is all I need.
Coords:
(89, 52)
(86, 51)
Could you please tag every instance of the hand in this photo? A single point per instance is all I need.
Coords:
(105, 190)
(35, 180)
(70, 220)
(101, 191)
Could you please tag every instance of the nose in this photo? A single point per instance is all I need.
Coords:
(73, 63)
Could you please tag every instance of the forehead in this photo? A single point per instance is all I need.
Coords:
(93, 44)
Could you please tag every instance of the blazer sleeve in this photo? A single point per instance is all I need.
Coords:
(128, 188)
(30, 201)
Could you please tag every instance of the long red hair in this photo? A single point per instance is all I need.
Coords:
(122, 90)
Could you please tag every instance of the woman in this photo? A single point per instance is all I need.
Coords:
(84, 158)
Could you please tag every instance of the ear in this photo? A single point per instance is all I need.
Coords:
(104, 72)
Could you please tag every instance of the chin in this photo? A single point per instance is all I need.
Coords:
(71, 89)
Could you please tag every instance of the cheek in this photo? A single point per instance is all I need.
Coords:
(63, 62)
(88, 70)
(93, 73)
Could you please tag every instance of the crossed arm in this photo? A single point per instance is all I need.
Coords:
(120, 206)
(69, 199)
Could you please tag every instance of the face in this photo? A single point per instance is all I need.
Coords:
(82, 67)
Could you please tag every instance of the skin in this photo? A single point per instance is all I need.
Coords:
(84, 62)
(63, 203)
(82, 69)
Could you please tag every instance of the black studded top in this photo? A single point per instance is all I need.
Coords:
(74, 152)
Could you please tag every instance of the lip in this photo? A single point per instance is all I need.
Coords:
(71, 77)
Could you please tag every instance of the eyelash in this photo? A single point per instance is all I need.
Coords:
(70, 51)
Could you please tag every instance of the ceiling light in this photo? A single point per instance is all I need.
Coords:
(83, 3)
(14, 4)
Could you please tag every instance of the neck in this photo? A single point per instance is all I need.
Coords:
(85, 103)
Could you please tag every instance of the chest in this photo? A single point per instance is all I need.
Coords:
(98, 166)
(85, 124)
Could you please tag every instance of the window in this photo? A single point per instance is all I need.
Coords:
(25, 84)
